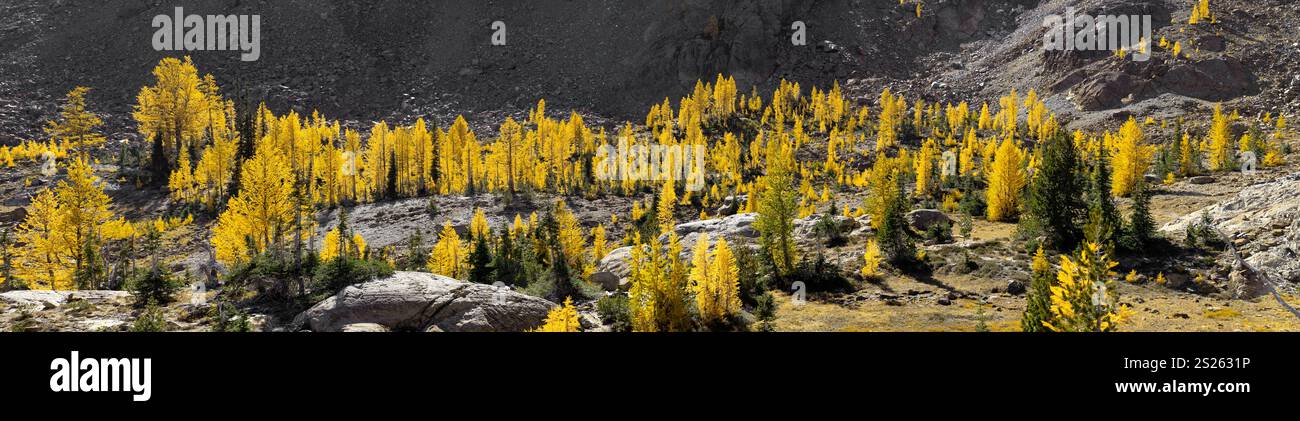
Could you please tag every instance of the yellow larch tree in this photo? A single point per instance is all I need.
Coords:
(75, 127)
(717, 288)
(84, 210)
(667, 203)
(1006, 181)
(1083, 298)
(449, 255)
(927, 173)
(571, 240)
(599, 242)
(181, 181)
(1131, 159)
(330, 247)
(658, 298)
(174, 107)
(41, 260)
(562, 319)
(871, 259)
(478, 225)
(1189, 156)
(263, 210)
(215, 170)
(1221, 150)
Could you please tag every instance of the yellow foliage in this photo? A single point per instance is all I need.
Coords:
(562, 319)
(180, 107)
(1221, 150)
(263, 210)
(871, 259)
(1083, 299)
(1006, 181)
(1131, 159)
(75, 128)
(478, 225)
(43, 260)
(449, 256)
(658, 298)
(330, 246)
(598, 243)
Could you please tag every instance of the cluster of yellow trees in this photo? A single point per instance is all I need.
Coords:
(1201, 12)
(664, 287)
(62, 239)
(290, 166)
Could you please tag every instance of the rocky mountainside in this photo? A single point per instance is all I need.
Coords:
(396, 60)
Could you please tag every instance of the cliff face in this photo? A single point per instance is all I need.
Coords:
(393, 59)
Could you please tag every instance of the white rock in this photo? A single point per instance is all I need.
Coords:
(415, 301)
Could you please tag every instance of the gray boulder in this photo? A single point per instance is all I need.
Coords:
(734, 227)
(616, 262)
(415, 301)
(607, 280)
(922, 219)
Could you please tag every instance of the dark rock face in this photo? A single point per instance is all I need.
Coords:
(393, 59)
(1108, 90)
(1216, 79)
(1211, 80)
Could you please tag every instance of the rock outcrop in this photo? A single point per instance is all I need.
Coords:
(45, 300)
(414, 301)
(1263, 221)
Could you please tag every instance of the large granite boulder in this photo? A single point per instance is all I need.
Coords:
(415, 301)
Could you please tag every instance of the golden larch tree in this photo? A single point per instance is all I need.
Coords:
(263, 211)
(75, 127)
(1131, 159)
(449, 255)
(1006, 181)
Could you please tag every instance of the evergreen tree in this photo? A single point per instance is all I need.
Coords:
(7, 280)
(90, 273)
(507, 262)
(244, 125)
(560, 273)
(1039, 305)
(1141, 227)
(480, 262)
(159, 166)
(1103, 218)
(894, 235)
(1055, 201)
(391, 190)
(417, 257)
